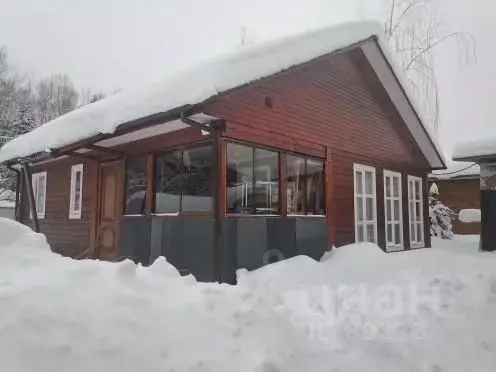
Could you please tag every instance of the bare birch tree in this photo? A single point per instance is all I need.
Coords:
(414, 30)
(56, 96)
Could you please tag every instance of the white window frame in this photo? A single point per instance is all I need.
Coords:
(412, 219)
(364, 195)
(392, 247)
(73, 213)
(35, 177)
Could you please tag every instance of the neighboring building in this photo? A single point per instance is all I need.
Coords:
(459, 188)
(278, 150)
(483, 152)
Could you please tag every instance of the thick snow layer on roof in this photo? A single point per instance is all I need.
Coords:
(193, 86)
(358, 310)
(475, 148)
(459, 169)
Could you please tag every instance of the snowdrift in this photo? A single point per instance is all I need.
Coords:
(357, 310)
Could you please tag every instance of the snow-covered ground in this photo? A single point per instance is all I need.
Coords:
(359, 309)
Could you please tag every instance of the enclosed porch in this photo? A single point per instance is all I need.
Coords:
(214, 206)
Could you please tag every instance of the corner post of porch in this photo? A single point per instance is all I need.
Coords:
(488, 206)
(219, 188)
(29, 188)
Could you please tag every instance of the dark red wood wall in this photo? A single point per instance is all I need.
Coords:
(70, 237)
(334, 105)
(334, 102)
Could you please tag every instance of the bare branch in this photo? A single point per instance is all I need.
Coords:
(430, 47)
(402, 15)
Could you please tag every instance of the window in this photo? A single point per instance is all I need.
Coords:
(393, 211)
(305, 186)
(183, 181)
(365, 204)
(197, 180)
(39, 181)
(252, 179)
(416, 209)
(76, 194)
(135, 194)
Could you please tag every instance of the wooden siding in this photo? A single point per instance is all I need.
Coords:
(461, 194)
(333, 108)
(336, 106)
(69, 237)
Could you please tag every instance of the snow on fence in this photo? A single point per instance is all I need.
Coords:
(469, 215)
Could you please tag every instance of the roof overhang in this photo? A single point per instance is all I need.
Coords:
(375, 54)
(129, 132)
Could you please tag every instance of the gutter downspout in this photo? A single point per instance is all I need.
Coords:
(215, 127)
(18, 184)
(29, 187)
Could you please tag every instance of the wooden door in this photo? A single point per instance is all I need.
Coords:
(110, 210)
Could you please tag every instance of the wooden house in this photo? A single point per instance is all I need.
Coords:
(281, 149)
(459, 189)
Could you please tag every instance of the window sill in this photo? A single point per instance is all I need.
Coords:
(307, 215)
(417, 245)
(251, 215)
(394, 248)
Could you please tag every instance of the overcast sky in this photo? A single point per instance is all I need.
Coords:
(120, 44)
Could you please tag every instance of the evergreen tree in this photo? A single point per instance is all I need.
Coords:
(440, 215)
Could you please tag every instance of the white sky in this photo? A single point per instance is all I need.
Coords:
(110, 44)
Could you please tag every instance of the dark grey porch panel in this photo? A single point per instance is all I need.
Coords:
(312, 237)
(188, 244)
(134, 239)
(252, 242)
(246, 242)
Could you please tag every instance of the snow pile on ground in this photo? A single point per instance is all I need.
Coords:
(470, 215)
(357, 310)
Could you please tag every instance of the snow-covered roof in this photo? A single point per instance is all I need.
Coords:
(201, 82)
(457, 170)
(474, 149)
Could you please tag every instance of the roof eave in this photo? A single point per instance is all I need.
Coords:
(441, 161)
(124, 128)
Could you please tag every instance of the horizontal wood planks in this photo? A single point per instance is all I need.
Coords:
(69, 237)
(334, 104)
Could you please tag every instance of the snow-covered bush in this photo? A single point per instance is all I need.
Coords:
(440, 215)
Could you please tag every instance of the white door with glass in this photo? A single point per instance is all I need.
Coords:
(393, 211)
(416, 212)
(365, 204)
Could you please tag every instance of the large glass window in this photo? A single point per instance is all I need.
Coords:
(252, 179)
(168, 168)
(295, 174)
(305, 186)
(183, 181)
(266, 191)
(135, 195)
(197, 180)
(315, 187)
